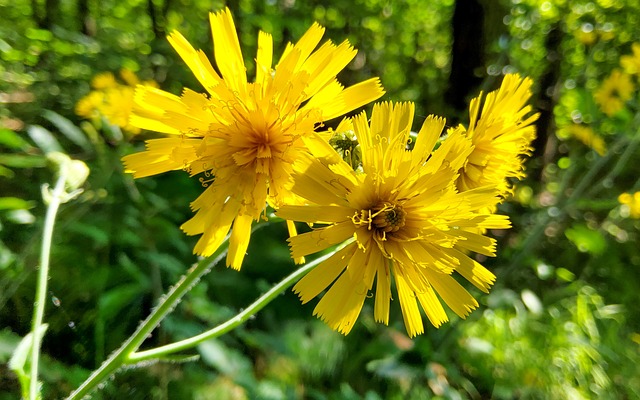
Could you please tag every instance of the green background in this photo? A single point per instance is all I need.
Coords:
(561, 322)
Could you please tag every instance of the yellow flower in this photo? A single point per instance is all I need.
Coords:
(631, 63)
(111, 99)
(401, 216)
(244, 137)
(87, 107)
(587, 136)
(632, 202)
(103, 80)
(614, 92)
(117, 107)
(501, 135)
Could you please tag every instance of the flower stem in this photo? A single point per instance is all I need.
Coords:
(230, 324)
(43, 275)
(165, 306)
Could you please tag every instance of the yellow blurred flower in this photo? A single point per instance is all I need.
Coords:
(243, 137)
(399, 216)
(632, 203)
(501, 134)
(615, 90)
(103, 80)
(111, 99)
(631, 63)
(587, 136)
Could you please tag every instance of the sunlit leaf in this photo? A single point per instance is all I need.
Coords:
(67, 128)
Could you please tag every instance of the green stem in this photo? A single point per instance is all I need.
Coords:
(43, 277)
(230, 324)
(166, 305)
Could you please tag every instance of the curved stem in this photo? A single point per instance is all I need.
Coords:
(166, 305)
(43, 275)
(230, 324)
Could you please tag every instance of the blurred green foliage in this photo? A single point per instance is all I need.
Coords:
(562, 321)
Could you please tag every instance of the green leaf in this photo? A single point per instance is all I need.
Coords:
(12, 140)
(15, 203)
(228, 361)
(22, 161)
(22, 353)
(587, 240)
(67, 128)
(116, 299)
(44, 139)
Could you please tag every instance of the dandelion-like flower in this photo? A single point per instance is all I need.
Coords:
(501, 133)
(400, 215)
(243, 137)
(111, 99)
(614, 92)
(631, 202)
(588, 137)
(631, 63)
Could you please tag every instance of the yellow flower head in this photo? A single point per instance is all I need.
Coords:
(103, 80)
(111, 99)
(244, 137)
(631, 63)
(401, 216)
(615, 90)
(587, 136)
(501, 135)
(632, 202)
(88, 106)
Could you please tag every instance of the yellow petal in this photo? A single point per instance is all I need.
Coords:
(319, 278)
(162, 155)
(408, 305)
(320, 239)
(239, 241)
(195, 60)
(291, 227)
(226, 48)
(383, 288)
(475, 273)
(454, 295)
(432, 306)
(427, 139)
(315, 214)
(348, 99)
(264, 58)
(340, 306)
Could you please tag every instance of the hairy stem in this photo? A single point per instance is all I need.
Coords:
(166, 305)
(230, 324)
(43, 276)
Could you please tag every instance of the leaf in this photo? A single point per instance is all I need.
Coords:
(15, 203)
(116, 299)
(12, 140)
(22, 161)
(586, 239)
(44, 139)
(228, 361)
(67, 128)
(21, 355)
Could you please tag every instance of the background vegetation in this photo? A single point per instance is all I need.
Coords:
(561, 322)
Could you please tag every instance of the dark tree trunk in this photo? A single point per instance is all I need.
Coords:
(467, 52)
(544, 147)
(87, 23)
(50, 14)
(158, 29)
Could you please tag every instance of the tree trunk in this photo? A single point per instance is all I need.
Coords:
(467, 52)
(544, 145)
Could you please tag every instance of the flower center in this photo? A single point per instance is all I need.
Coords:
(388, 218)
